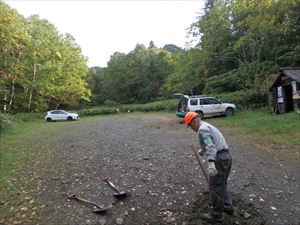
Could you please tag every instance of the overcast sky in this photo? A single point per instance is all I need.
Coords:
(104, 27)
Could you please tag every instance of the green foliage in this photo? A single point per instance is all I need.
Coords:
(245, 99)
(166, 105)
(7, 120)
(135, 77)
(173, 48)
(97, 111)
(41, 68)
(188, 76)
(228, 82)
(4, 122)
(241, 44)
(111, 103)
(261, 126)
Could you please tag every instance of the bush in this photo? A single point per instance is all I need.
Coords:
(23, 117)
(227, 82)
(166, 105)
(97, 111)
(245, 99)
(111, 103)
(4, 122)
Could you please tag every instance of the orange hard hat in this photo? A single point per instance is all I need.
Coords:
(189, 117)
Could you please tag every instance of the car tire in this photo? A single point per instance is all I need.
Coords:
(229, 111)
(48, 119)
(201, 114)
(69, 118)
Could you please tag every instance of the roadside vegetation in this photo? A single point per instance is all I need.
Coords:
(14, 156)
(264, 127)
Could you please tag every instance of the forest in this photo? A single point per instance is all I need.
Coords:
(240, 47)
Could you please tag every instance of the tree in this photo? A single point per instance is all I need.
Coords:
(40, 66)
(12, 44)
(40, 61)
(151, 45)
(188, 75)
(173, 48)
(69, 85)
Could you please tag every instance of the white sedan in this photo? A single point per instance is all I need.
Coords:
(55, 115)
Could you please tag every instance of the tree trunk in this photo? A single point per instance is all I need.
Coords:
(49, 99)
(12, 94)
(32, 86)
(4, 106)
(57, 105)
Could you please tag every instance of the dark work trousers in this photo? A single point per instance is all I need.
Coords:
(219, 195)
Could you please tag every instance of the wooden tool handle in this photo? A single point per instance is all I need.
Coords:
(199, 160)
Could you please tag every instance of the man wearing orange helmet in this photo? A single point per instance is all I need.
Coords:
(219, 158)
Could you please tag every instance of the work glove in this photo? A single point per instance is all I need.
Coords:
(201, 152)
(212, 171)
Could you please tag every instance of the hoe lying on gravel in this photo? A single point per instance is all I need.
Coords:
(119, 194)
(98, 208)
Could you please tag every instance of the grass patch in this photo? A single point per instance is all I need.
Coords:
(263, 126)
(13, 156)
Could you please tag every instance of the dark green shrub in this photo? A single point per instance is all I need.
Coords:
(111, 103)
(245, 99)
(23, 117)
(166, 105)
(4, 121)
(227, 82)
(97, 111)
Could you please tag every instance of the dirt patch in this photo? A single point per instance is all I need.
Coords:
(149, 156)
(245, 213)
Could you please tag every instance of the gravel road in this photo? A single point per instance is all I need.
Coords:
(149, 156)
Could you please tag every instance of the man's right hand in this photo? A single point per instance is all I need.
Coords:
(201, 152)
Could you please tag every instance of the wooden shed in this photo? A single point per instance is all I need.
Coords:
(286, 90)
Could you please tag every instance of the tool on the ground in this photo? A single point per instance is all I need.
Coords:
(98, 208)
(119, 194)
(202, 168)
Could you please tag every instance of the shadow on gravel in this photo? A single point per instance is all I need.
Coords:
(245, 213)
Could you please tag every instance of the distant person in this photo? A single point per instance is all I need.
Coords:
(214, 146)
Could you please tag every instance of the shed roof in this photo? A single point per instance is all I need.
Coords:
(292, 72)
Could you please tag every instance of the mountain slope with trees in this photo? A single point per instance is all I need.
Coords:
(241, 45)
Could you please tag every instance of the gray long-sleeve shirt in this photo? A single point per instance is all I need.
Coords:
(211, 140)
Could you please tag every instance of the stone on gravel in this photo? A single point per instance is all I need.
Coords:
(171, 220)
(102, 221)
(119, 221)
(273, 208)
(252, 196)
(246, 215)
